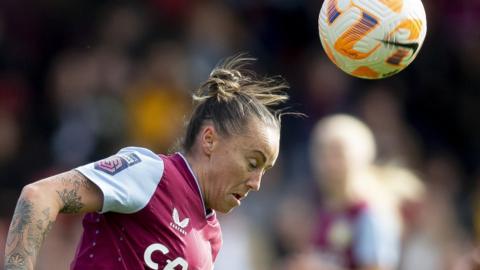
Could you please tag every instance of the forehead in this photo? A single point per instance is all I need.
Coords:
(260, 137)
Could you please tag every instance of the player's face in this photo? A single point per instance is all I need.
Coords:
(329, 161)
(237, 164)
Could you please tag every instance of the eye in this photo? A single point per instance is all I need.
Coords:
(252, 164)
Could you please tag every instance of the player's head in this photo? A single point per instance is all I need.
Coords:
(340, 146)
(234, 132)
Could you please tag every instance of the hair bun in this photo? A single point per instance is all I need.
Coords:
(223, 84)
(231, 79)
(225, 74)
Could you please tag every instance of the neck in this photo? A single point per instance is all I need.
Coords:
(199, 172)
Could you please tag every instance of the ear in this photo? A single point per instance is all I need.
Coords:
(208, 139)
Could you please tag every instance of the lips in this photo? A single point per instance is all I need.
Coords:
(237, 196)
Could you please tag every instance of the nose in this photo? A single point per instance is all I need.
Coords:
(254, 181)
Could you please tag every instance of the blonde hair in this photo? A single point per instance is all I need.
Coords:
(231, 96)
(355, 134)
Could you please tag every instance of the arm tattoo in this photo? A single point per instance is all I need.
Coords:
(15, 261)
(76, 179)
(72, 202)
(26, 234)
(33, 219)
(42, 225)
(21, 219)
(20, 222)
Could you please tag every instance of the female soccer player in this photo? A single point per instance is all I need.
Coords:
(149, 211)
(358, 224)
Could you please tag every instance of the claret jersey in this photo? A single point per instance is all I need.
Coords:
(153, 215)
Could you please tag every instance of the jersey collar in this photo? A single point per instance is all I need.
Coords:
(208, 212)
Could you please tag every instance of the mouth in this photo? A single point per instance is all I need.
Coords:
(238, 197)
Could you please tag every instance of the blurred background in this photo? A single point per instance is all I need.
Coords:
(81, 79)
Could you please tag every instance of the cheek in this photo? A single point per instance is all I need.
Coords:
(230, 172)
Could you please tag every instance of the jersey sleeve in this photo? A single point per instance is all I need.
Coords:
(378, 241)
(127, 179)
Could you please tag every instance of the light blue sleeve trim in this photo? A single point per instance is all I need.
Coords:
(377, 241)
(129, 189)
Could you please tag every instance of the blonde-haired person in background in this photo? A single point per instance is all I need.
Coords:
(149, 211)
(357, 225)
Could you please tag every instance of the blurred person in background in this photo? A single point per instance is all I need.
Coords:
(152, 211)
(86, 87)
(471, 259)
(434, 238)
(158, 100)
(293, 224)
(475, 207)
(358, 226)
(245, 243)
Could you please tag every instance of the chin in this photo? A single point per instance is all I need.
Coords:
(224, 210)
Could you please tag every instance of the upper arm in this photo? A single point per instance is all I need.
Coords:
(72, 192)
